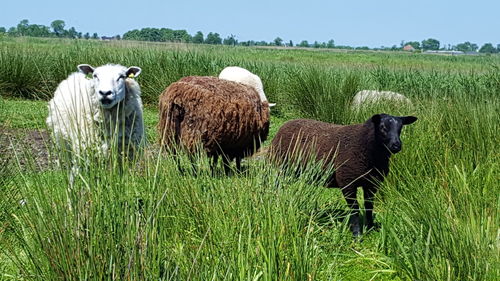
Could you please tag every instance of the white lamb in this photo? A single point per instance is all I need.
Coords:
(243, 76)
(96, 113)
(367, 97)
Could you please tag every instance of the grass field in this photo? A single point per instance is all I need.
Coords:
(438, 209)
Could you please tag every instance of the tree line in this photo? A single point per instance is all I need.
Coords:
(434, 44)
(57, 29)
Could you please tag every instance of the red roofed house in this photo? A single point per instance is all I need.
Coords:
(408, 48)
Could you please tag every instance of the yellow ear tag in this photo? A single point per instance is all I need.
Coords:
(131, 75)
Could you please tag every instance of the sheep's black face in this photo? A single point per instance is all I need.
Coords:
(388, 129)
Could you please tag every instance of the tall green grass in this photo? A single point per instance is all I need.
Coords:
(33, 68)
(442, 208)
(438, 208)
(150, 222)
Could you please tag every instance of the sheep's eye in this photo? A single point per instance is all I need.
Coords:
(95, 75)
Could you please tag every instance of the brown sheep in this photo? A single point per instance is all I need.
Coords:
(227, 118)
(359, 154)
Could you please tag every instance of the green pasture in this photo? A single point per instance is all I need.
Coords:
(438, 209)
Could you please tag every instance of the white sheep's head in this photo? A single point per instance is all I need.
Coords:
(108, 81)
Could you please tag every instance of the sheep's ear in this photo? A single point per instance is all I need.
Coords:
(376, 119)
(133, 71)
(407, 120)
(85, 68)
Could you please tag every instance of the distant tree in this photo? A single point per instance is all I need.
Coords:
(466, 47)
(346, 47)
(130, 35)
(304, 43)
(22, 27)
(156, 35)
(362, 48)
(316, 44)
(278, 41)
(213, 38)
(181, 36)
(118, 37)
(430, 44)
(167, 34)
(230, 40)
(290, 44)
(72, 33)
(3, 30)
(58, 27)
(330, 44)
(198, 38)
(86, 35)
(248, 43)
(95, 36)
(12, 31)
(38, 30)
(414, 44)
(498, 48)
(488, 49)
(26, 29)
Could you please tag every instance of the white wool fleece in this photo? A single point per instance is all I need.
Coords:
(73, 112)
(79, 120)
(243, 76)
(366, 97)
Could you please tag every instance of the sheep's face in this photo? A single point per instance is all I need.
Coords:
(388, 129)
(109, 82)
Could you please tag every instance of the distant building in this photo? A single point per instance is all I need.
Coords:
(408, 48)
(107, 38)
(472, 53)
(444, 52)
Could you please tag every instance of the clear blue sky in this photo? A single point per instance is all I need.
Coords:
(372, 23)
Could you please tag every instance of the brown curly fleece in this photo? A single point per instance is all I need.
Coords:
(226, 117)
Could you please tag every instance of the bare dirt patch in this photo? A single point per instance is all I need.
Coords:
(25, 148)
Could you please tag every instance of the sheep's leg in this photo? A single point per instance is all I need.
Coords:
(178, 161)
(238, 164)
(227, 167)
(369, 194)
(213, 165)
(352, 202)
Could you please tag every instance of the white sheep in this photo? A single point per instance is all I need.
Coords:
(367, 97)
(99, 112)
(243, 76)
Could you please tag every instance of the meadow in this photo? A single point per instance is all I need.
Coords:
(438, 209)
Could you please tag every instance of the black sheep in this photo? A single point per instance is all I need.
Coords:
(360, 154)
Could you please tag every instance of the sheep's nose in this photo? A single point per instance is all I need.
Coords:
(105, 93)
(396, 147)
